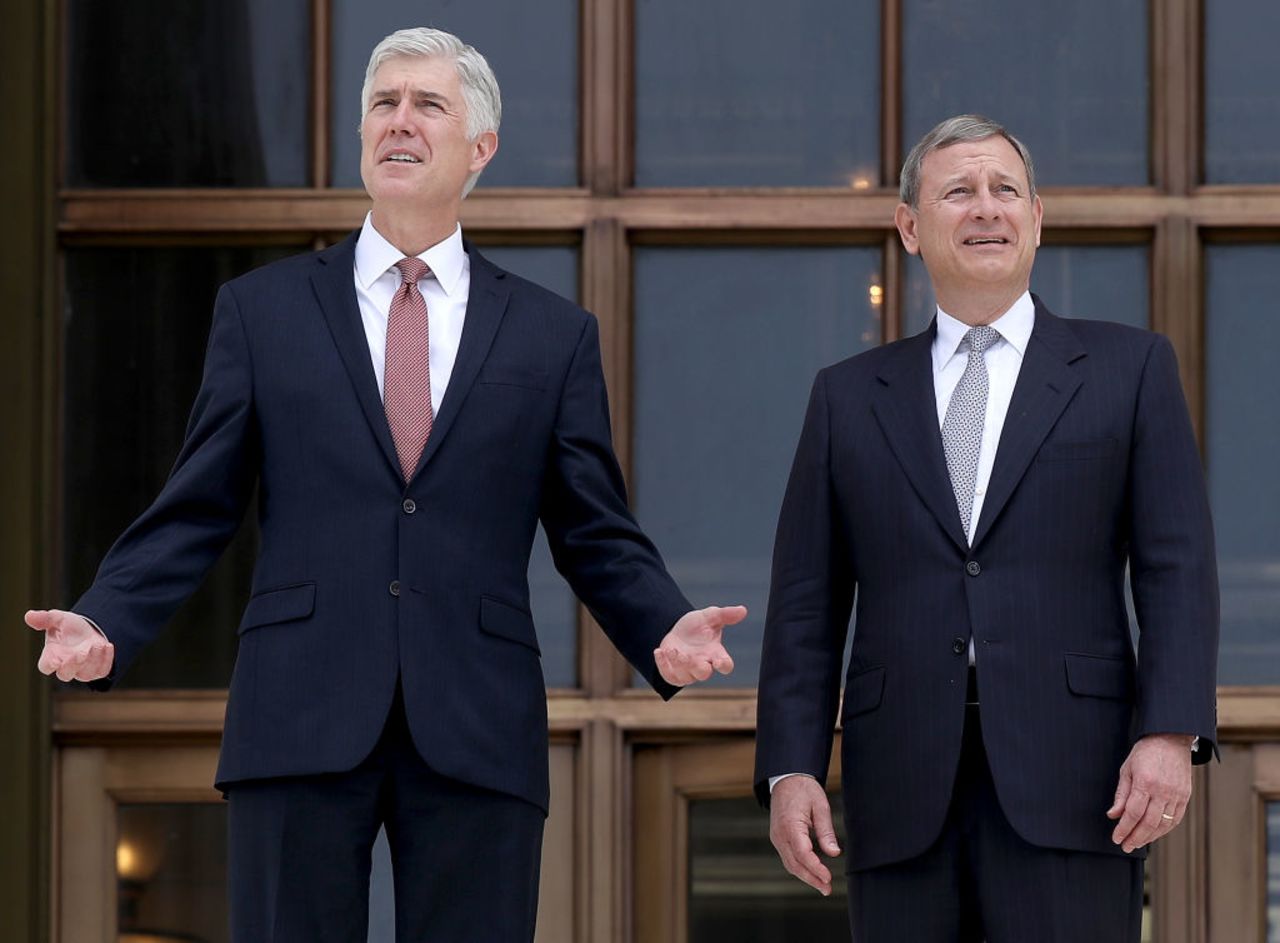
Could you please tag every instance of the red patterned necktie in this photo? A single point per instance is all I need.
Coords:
(407, 377)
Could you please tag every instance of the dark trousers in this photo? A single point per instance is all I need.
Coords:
(464, 860)
(982, 881)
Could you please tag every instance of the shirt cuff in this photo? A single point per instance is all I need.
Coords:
(774, 780)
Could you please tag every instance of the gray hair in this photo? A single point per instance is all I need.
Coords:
(479, 85)
(957, 130)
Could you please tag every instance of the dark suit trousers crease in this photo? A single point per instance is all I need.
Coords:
(465, 861)
(981, 881)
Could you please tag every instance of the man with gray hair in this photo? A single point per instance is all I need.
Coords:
(980, 490)
(409, 413)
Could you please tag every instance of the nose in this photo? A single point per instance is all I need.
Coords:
(986, 206)
(401, 119)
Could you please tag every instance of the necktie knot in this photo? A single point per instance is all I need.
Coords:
(412, 270)
(982, 337)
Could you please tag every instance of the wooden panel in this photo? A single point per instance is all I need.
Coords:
(1234, 864)
(557, 898)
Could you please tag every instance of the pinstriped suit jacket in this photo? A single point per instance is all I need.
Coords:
(1096, 470)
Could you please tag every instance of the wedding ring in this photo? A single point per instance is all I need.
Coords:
(1166, 815)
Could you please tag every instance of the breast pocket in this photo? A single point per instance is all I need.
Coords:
(512, 375)
(1077, 451)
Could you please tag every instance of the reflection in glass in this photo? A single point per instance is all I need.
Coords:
(1080, 101)
(1241, 108)
(135, 323)
(532, 49)
(171, 872)
(194, 94)
(729, 93)
(738, 889)
(1273, 872)
(555, 611)
(1100, 283)
(726, 344)
(1242, 451)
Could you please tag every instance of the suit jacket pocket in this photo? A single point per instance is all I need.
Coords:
(1077, 451)
(509, 622)
(863, 692)
(284, 604)
(511, 375)
(1099, 676)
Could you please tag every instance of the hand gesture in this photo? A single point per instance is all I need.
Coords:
(1154, 788)
(73, 649)
(798, 808)
(692, 649)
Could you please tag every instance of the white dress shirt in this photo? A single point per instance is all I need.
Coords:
(1004, 360)
(445, 289)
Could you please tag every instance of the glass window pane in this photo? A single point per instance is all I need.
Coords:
(1241, 107)
(1273, 872)
(1242, 451)
(194, 94)
(1101, 283)
(555, 611)
(737, 888)
(135, 323)
(727, 342)
(171, 863)
(1080, 97)
(729, 93)
(533, 50)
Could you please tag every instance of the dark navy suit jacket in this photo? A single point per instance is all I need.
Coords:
(361, 579)
(1097, 470)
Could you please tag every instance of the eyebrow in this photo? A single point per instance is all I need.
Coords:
(966, 178)
(379, 94)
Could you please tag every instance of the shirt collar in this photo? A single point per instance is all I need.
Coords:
(1014, 326)
(375, 256)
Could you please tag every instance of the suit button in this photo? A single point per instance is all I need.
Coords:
(394, 588)
(972, 568)
(959, 645)
(409, 505)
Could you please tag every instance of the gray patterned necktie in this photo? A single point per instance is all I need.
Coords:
(966, 415)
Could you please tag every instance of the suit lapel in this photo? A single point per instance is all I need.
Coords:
(905, 406)
(1046, 384)
(334, 286)
(486, 305)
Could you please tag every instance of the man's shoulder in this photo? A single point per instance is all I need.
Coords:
(287, 271)
(525, 293)
(866, 365)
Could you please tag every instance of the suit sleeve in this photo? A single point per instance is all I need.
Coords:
(164, 554)
(595, 541)
(1173, 568)
(810, 599)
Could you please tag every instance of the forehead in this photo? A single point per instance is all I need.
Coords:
(428, 73)
(990, 155)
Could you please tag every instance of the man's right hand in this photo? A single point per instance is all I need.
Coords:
(73, 649)
(798, 808)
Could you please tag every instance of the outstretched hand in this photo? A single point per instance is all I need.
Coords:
(693, 648)
(73, 649)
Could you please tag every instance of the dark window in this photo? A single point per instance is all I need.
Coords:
(741, 93)
(193, 94)
(726, 344)
(1241, 75)
(1068, 79)
(1242, 451)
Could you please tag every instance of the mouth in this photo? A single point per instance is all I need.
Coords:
(986, 241)
(401, 157)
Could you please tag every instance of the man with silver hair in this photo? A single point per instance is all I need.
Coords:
(980, 490)
(408, 413)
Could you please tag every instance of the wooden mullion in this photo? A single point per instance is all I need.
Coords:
(890, 92)
(320, 64)
(1178, 305)
(894, 283)
(624, 95)
(1175, 84)
(605, 868)
(606, 290)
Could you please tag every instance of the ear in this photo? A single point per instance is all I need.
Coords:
(1037, 210)
(482, 150)
(905, 219)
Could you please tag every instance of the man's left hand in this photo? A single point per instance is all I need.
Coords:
(693, 649)
(1154, 788)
